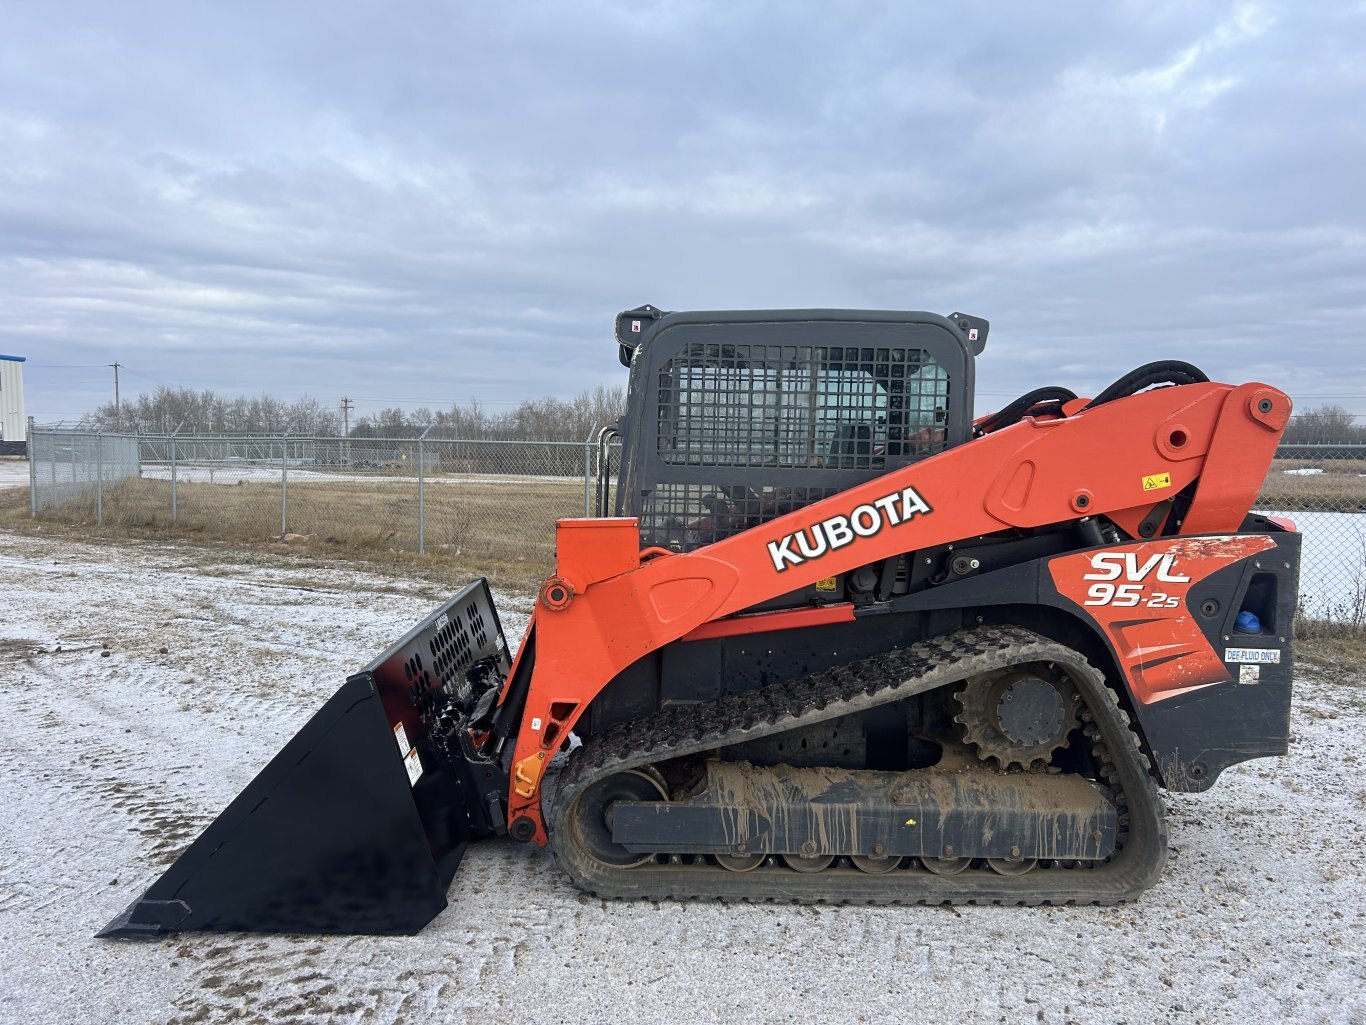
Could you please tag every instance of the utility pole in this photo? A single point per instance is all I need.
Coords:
(118, 409)
(346, 406)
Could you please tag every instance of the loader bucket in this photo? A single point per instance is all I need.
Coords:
(359, 824)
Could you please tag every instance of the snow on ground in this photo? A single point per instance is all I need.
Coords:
(233, 473)
(14, 473)
(109, 765)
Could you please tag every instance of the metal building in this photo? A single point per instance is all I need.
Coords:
(13, 426)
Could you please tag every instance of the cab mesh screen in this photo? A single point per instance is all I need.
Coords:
(782, 409)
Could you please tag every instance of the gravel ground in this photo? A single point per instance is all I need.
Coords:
(109, 765)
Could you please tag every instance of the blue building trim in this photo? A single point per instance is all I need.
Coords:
(17, 359)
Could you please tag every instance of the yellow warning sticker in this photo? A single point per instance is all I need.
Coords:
(827, 584)
(1157, 481)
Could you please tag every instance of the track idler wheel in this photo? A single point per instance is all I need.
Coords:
(591, 816)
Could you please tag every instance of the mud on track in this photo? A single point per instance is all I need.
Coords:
(109, 765)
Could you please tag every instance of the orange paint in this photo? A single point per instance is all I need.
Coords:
(766, 622)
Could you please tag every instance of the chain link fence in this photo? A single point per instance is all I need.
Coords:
(1319, 481)
(494, 503)
(76, 470)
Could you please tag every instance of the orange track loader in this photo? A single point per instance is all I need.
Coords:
(832, 637)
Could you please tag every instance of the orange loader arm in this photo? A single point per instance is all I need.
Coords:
(610, 604)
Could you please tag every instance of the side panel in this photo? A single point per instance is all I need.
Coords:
(1201, 628)
(1139, 594)
(1205, 691)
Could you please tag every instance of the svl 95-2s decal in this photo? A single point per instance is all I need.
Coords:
(1137, 594)
(1108, 567)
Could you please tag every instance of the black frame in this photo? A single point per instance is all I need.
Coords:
(652, 339)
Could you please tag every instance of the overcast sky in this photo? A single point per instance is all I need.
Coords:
(419, 203)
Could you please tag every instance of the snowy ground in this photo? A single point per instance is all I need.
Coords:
(110, 764)
(231, 473)
(14, 473)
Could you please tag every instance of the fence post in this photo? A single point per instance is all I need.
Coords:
(422, 493)
(99, 480)
(173, 475)
(32, 471)
(587, 460)
(284, 485)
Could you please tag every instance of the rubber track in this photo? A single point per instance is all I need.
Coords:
(694, 729)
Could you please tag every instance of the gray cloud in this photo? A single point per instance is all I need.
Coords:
(432, 203)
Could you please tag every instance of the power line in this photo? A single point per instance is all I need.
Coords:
(69, 366)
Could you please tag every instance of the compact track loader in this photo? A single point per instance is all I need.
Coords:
(834, 640)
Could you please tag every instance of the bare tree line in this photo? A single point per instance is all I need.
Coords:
(1326, 425)
(187, 411)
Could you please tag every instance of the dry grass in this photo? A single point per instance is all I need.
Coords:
(1337, 650)
(502, 530)
(1341, 487)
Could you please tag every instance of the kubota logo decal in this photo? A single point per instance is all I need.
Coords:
(837, 531)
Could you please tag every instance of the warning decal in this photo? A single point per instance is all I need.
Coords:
(1157, 481)
(414, 766)
(401, 736)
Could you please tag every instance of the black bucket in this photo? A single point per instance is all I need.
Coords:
(359, 824)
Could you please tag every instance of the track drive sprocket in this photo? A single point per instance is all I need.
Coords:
(1020, 716)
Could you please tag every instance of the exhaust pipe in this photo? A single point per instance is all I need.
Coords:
(358, 825)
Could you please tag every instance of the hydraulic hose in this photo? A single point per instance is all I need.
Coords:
(1162, 372)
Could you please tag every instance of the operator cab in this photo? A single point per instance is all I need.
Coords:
(734, 418)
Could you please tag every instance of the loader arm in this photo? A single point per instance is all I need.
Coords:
(610, 604)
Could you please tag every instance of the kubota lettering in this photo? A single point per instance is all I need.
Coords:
(840, 530)
(865, 521)
(815, 549)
